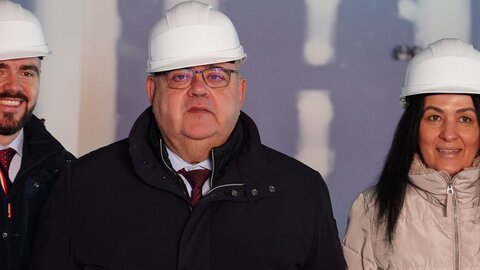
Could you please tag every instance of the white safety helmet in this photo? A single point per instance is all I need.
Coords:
(445, 66)
(21, 33)
(192, 34)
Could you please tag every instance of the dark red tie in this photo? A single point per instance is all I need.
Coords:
(196, 178)
(6, 156)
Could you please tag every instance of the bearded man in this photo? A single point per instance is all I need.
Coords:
(30, 158)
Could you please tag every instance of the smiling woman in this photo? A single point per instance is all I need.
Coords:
(423, 213)
(449, 133)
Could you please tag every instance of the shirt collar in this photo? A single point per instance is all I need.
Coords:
(16, 144)
(178, 163)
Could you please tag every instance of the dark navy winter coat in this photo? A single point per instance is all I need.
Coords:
(122, 207)
(43, 158)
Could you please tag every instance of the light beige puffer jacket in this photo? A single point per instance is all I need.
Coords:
(434, 230)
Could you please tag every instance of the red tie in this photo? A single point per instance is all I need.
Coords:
(196, 178)
(6, 156)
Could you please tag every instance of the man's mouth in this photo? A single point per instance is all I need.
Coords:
(198, 109)
(10, 102)
(12, 99)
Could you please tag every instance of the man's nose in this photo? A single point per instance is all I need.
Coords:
(198, 86)
(12, 83)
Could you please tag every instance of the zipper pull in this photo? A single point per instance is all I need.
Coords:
(449, 207)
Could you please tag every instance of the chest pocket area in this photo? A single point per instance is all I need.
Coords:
(39, 183)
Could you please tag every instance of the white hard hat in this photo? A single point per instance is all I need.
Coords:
(21, 33)
(192, 34)
(445, 66)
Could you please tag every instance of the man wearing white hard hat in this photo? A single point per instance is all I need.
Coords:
(192, 187)
(30, 158)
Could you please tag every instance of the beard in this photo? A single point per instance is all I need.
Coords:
(8, 124)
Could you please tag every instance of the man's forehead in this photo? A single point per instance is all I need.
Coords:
(221, 64)
(22, 61)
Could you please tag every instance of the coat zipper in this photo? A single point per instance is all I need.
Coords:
(452, 206)
(184, 189)
(449, 201)
(211, 178)
(213, 169)
(174, 172)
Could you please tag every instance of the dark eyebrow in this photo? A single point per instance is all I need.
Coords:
(469, 109)
(23, 67)
(441, 111)
(432, 108)
(30, 67)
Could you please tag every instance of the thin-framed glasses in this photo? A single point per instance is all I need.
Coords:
(214, 77)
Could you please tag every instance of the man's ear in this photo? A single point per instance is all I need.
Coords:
(151, 86)
(242, 90)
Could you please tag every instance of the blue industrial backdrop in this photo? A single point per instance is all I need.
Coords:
(359, 80)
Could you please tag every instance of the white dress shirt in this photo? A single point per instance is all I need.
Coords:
(16, 162)
(178, 163)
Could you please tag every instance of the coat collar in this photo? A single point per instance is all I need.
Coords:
(38, 145)
(433, 184)
(253, 164)
(241, 160)
(144, 160)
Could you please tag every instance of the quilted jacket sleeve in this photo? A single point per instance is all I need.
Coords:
(357, 242)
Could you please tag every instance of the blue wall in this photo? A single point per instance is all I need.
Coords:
(364, 81)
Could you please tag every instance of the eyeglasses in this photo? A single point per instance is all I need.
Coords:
(214, 77)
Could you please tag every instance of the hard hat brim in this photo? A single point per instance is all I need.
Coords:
(191, 61)
(24, 53)
(443, 89)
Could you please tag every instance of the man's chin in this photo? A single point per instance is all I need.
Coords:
(199, 133)
(11, 126)
(7, 130)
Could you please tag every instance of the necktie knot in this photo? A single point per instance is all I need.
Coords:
(196, 178)
(6, 156)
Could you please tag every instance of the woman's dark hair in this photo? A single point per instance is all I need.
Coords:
(392, 183)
